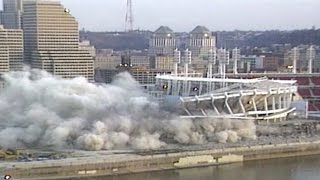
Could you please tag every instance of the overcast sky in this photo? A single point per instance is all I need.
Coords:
(183, 15)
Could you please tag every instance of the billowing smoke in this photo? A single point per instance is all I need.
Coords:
(40, 111)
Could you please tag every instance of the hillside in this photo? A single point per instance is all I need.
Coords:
(139, 39)
(267, 38)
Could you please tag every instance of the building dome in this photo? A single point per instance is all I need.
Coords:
(162, 42)
(164, 31)
(201, 30)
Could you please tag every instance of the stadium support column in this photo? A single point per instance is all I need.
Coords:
(273, 102)
(307, 109)
(241, 104)
(279, 99)
(226, 103)
(254, 102)
(214, 106)
(285, 99)
(266, 104)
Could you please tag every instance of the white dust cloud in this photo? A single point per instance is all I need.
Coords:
(40, 111)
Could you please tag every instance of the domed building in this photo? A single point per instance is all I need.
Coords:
(201, 41)
(163, 42)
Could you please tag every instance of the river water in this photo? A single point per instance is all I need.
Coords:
(299, 168)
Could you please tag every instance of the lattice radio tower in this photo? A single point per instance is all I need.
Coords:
(129, 17)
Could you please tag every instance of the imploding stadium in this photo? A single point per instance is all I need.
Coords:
(216, 96)
(258, 99)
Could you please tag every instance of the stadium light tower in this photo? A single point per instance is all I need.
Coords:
(311, 55)
(186, 60)
(211, 62)
(295, 54)
(236, 57)
(223, 58)
(129, 17)
(176, 61)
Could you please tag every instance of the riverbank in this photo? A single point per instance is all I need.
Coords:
(115, 164)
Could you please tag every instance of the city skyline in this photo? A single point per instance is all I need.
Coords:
(242, 14)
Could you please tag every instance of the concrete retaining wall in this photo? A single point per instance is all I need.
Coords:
(195, 160)
(164, 161)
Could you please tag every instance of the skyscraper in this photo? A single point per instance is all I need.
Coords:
(51, 40)
(11, 14)
(201, 41)
(163, 42)
(4, 52)
(11, 49)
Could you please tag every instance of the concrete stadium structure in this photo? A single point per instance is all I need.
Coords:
(308, 87)
(216, 96)
(259, 99)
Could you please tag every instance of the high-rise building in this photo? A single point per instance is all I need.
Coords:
(140, 61)
(201, 41)
(164, 63)
(107, 61)
(163, 42)
(85, 45)
(51, 40)
(11, 49)
(4, 52)
(11, 14)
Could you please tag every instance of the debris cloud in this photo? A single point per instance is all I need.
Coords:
(39, 110)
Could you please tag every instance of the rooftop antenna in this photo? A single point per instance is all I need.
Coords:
(129, 17)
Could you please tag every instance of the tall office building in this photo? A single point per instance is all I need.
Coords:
(163, 42)
(201, 41)
(11, 49)
(4, 52)
(11, 14)
(51, 40)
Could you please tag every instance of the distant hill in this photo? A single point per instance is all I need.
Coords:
(117, 41)
(267, 38)
(139, 40)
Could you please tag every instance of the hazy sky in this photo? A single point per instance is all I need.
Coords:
(183, 15)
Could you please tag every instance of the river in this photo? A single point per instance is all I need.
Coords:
(299, 168)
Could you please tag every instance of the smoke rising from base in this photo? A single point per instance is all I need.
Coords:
(39, 110)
